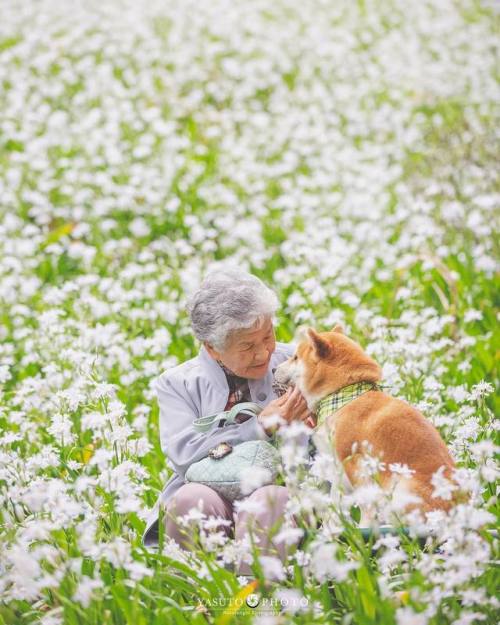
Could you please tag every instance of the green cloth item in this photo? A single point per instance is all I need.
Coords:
(202, 424)
(224, 474)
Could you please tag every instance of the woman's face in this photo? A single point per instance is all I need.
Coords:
(249, 351)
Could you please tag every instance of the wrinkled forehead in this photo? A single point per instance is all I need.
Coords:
(264, 323)
(260, 327)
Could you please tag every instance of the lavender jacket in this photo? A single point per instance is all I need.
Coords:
(195, 388)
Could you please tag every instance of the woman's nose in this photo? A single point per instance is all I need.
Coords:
(261, 356)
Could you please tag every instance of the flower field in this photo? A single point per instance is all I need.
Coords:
(346, 152)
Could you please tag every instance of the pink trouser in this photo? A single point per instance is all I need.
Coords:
(272, 496)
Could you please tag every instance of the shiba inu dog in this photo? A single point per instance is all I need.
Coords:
(340, 384)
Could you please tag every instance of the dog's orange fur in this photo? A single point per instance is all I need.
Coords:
(396, 431)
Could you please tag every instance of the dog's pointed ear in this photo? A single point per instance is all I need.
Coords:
(338, 328)
(321, 347)
(301, 332)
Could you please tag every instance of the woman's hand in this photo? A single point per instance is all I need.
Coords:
(290, 406)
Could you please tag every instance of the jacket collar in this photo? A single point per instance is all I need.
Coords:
(212, 369)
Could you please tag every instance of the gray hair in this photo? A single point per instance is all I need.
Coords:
(228, 300)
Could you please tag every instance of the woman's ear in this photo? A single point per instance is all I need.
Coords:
(212, 352)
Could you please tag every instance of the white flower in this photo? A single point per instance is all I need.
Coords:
(101, 458)
(369, 466)
(5, 374)
(407, 616)
(472, 315)
(139, 227)
(484, 449)
(442, 486)
(252, 506)
(365, 495)
(401, 498)
(61, 429)
(490, 471)
(325, 566)
(84, 592)
(128, 503)
(469, 618)
(137, 570)
(389, 541)
(271, 421)
(253, 478)
(458, 393)
(117, 552)
(54, 617)
(272, 568)
(401, 469)
(212, 523)
(289, 535)
(482, 389)
(291, 600)
(301, 557)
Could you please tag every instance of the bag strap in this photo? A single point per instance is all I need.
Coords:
(202, 424)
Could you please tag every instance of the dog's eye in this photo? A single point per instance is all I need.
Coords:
(295, 358)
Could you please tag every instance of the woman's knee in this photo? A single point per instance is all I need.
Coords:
(265, 518)
(273, 499)
(267, 504)
(272, 495)
(195, 496)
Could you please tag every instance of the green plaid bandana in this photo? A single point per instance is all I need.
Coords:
(335, 401)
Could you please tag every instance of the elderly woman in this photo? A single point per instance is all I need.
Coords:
(232, 316)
